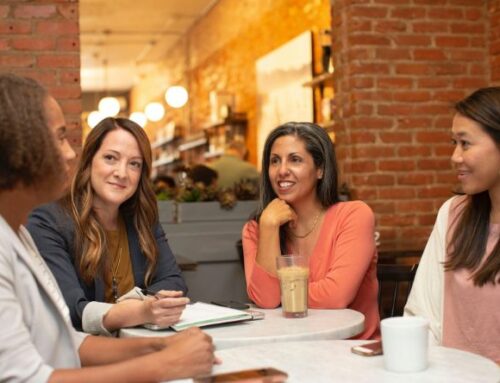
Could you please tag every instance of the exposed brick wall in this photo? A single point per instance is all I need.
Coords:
(494, 10)
(399, 65)
(223, 49)
(40, 39)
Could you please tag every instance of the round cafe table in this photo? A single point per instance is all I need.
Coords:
(318, 325)
(333, 361)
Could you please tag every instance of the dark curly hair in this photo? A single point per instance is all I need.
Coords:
(28, 154)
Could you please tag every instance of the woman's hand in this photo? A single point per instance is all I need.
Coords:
(165, 308)
(187, 354)
(277, 213)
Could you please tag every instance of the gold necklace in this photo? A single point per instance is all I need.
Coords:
(316, 220)
(114, 273)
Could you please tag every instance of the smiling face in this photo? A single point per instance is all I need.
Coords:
(292, 172)
(476, 157)
(116, 170)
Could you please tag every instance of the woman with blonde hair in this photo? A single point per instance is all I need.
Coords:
(103, 241)
(37, 340)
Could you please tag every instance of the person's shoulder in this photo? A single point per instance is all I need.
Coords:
(351, 207)
(53, 214)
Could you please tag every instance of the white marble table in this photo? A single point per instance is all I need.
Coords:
(318, 325)
(332, 361)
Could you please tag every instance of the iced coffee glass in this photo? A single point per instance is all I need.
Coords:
(293, 273)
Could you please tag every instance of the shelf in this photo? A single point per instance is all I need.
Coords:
(213, 154)
(324, 79)
(164, 161)
(192, 144)
(164, 141)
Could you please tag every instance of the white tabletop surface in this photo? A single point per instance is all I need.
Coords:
(318, 325)
(332, 361)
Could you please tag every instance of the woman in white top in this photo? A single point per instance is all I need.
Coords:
(37, 340)
(457, 286)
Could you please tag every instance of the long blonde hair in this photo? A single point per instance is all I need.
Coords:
(90, 241)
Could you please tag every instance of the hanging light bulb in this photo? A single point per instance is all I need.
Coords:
(154, 111)
(109, 106)
(94, 118)
(139, 118)
(176, 96)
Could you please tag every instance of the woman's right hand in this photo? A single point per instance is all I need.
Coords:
(166, 308)
(277, 213)
(188, 354)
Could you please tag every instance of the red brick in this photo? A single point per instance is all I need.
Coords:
(466, 54)
(468, 28)
(372, 152)
(4, 44)
(68, 11)
(432, 137)
(429, 54)
(70, 77)
(412, 96)
(4, 11)
(364, 109)
(34, 11)
(478, 70)
(418, 206)
(358, 25)
(392, 54)
(390, 26)
(59, 60)
(470, 82)
(65, 92)
(394, 110)
(361, 166)
(369, 11)
(473, 14)
(414, 69)
(362, 82)
(446, 149)
(362, 137)
(68, 44)
(395, 82)
(33, 44)
(414, 233)
(470, 3)
(396, 165)
(408, 13)
(359, 95)
(415, 179)
(434, 164)
(397, 220)
(414, 151)
(433, 83)
(448, 178)
(431, 109)
(402, 40)
(430, 2)
(477, 42)
(15, 27)
(445, 13)
(16, 61)
(396, 192)
(358, 54)
(391, 2)
(426, 219)
(434, 191)
(452, 41)
(369, 40)
(449, 95)
(371, 123)
(413, 122)
(382, 207)
(450, 68)
(443, 122)
(44, 77)
(430, 27)
(395, 137)
(370, 69)
(366, 194)
(61, 28)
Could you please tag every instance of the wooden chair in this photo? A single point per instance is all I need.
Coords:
(395, 281)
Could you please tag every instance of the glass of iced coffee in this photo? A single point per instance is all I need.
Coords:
(293, 273)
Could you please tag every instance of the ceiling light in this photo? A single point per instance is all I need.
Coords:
(176, 96)
(139, 118)
(94, 118)
(154, 111)
(109, 106)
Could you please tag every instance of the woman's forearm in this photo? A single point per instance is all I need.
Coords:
(268, 248)
(129, 313)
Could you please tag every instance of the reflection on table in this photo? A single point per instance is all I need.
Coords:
(332, 361)
(318, 325)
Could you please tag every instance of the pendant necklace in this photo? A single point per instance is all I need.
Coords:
(114, 273)
(316, 220)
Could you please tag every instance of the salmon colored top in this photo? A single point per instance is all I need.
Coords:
(342, 267)
(471, 314)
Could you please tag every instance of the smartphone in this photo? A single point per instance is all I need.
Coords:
(258, 375)
(368, 349)
(232, 304)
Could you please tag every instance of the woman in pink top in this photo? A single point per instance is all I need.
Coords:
(457, 286)
(300, 213)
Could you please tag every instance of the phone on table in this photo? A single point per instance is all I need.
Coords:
(368, 349)
(258, 375)
(232, 304)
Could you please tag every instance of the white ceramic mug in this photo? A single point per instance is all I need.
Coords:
(405, 343)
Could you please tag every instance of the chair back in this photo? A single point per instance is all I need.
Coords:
(239, 248)
(395, 282)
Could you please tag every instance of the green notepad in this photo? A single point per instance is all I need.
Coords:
(201, 314)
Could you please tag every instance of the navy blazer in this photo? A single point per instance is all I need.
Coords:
(53, 231)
